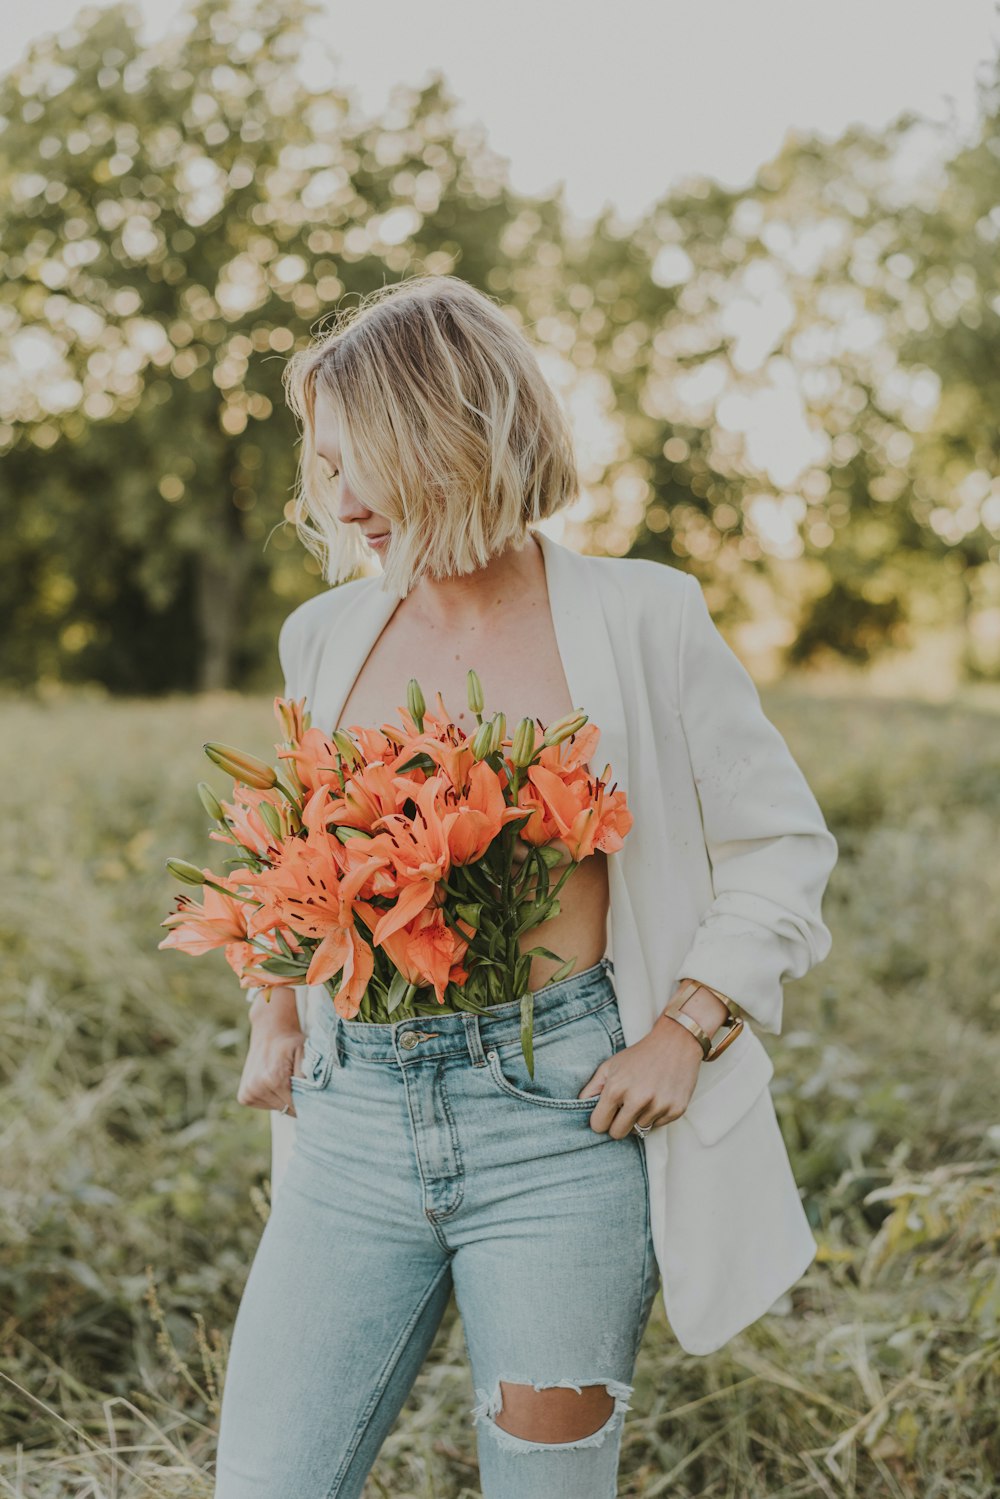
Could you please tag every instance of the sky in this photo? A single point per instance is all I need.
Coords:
(623, 101)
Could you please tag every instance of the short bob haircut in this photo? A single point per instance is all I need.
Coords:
(448, 429)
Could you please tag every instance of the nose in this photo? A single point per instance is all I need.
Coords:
(348, 508)
(352, 512)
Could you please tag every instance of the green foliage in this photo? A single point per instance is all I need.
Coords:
(133, 1187)
(178, 217)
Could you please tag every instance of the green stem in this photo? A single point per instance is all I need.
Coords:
(233, 894)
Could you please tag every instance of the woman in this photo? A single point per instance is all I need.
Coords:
(419, 1158)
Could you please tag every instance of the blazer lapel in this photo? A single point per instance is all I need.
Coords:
(582, 637)
(346, 649)
(587, 653)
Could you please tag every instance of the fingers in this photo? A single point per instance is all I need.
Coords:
(287, 1096)
(617, 1113)
(261, 1088)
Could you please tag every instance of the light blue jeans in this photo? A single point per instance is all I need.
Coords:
(425, 1159)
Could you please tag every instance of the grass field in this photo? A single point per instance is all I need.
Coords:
(133, 1187)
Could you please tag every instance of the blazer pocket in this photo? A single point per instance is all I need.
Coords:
(721, 1097)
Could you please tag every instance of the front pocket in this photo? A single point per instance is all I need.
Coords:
(566, 1057)
(316, 1068)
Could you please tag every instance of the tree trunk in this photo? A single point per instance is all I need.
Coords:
(221, 576)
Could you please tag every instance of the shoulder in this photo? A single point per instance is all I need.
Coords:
(658, 579)
(312, 619)
(643, 595)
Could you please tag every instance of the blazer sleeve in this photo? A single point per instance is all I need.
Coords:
(770, 850)
(288, 653)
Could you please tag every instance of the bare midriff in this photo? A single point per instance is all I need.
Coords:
(517, 659)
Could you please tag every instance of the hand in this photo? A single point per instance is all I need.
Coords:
(648, 1083)
(273, 1056)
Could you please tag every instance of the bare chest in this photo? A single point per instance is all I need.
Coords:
(515, 656)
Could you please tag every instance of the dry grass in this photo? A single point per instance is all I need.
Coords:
(133, 1187)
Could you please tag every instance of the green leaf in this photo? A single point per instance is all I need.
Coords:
(283, 966)
(546, 952)
(421, 760)
(527, 1030)
(397, 991)
(563, 972)
(456, 996)
(537, 915)
(283, 944)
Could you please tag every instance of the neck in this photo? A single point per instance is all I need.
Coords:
(468, 599)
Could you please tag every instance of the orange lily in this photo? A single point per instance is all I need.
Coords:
(315, 760)
(249, 828)
(312, 890)
(221, 921)
(585, 814)
(427, 952)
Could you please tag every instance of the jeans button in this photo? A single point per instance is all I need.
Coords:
(409, 1040)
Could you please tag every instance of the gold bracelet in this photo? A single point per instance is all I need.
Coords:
(733, 1024)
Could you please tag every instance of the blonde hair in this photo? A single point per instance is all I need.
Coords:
(448, 429)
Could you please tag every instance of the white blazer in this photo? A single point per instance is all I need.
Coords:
(720, 878)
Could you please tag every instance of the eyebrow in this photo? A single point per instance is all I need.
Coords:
(320, 454)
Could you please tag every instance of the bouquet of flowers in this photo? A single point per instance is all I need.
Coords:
(389, 864)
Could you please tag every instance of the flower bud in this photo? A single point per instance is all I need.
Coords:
(241, 766)
(293, 717)
(190, 874)
(349, 751)
(562, 728)
(415, 704)
(499, 730)
(271, 817)
(475, 692)
(210, 802)
(482, 741)
(523, 747)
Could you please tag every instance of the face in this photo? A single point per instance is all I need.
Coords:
(352, 511)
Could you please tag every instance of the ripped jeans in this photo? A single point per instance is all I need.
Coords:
(427, 1159)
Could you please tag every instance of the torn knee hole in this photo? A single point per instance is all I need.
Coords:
(553, 1415)
(563, 1412)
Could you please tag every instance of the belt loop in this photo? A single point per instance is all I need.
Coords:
(473, 1040)
(609, 967)
(335, 1042)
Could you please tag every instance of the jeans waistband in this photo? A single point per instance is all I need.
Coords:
(456, 1032)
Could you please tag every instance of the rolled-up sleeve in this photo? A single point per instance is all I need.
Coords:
(770, 850)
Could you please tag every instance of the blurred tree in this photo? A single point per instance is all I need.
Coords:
(849, 303)
(747, 387)
(796, 380)
(177, 219)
